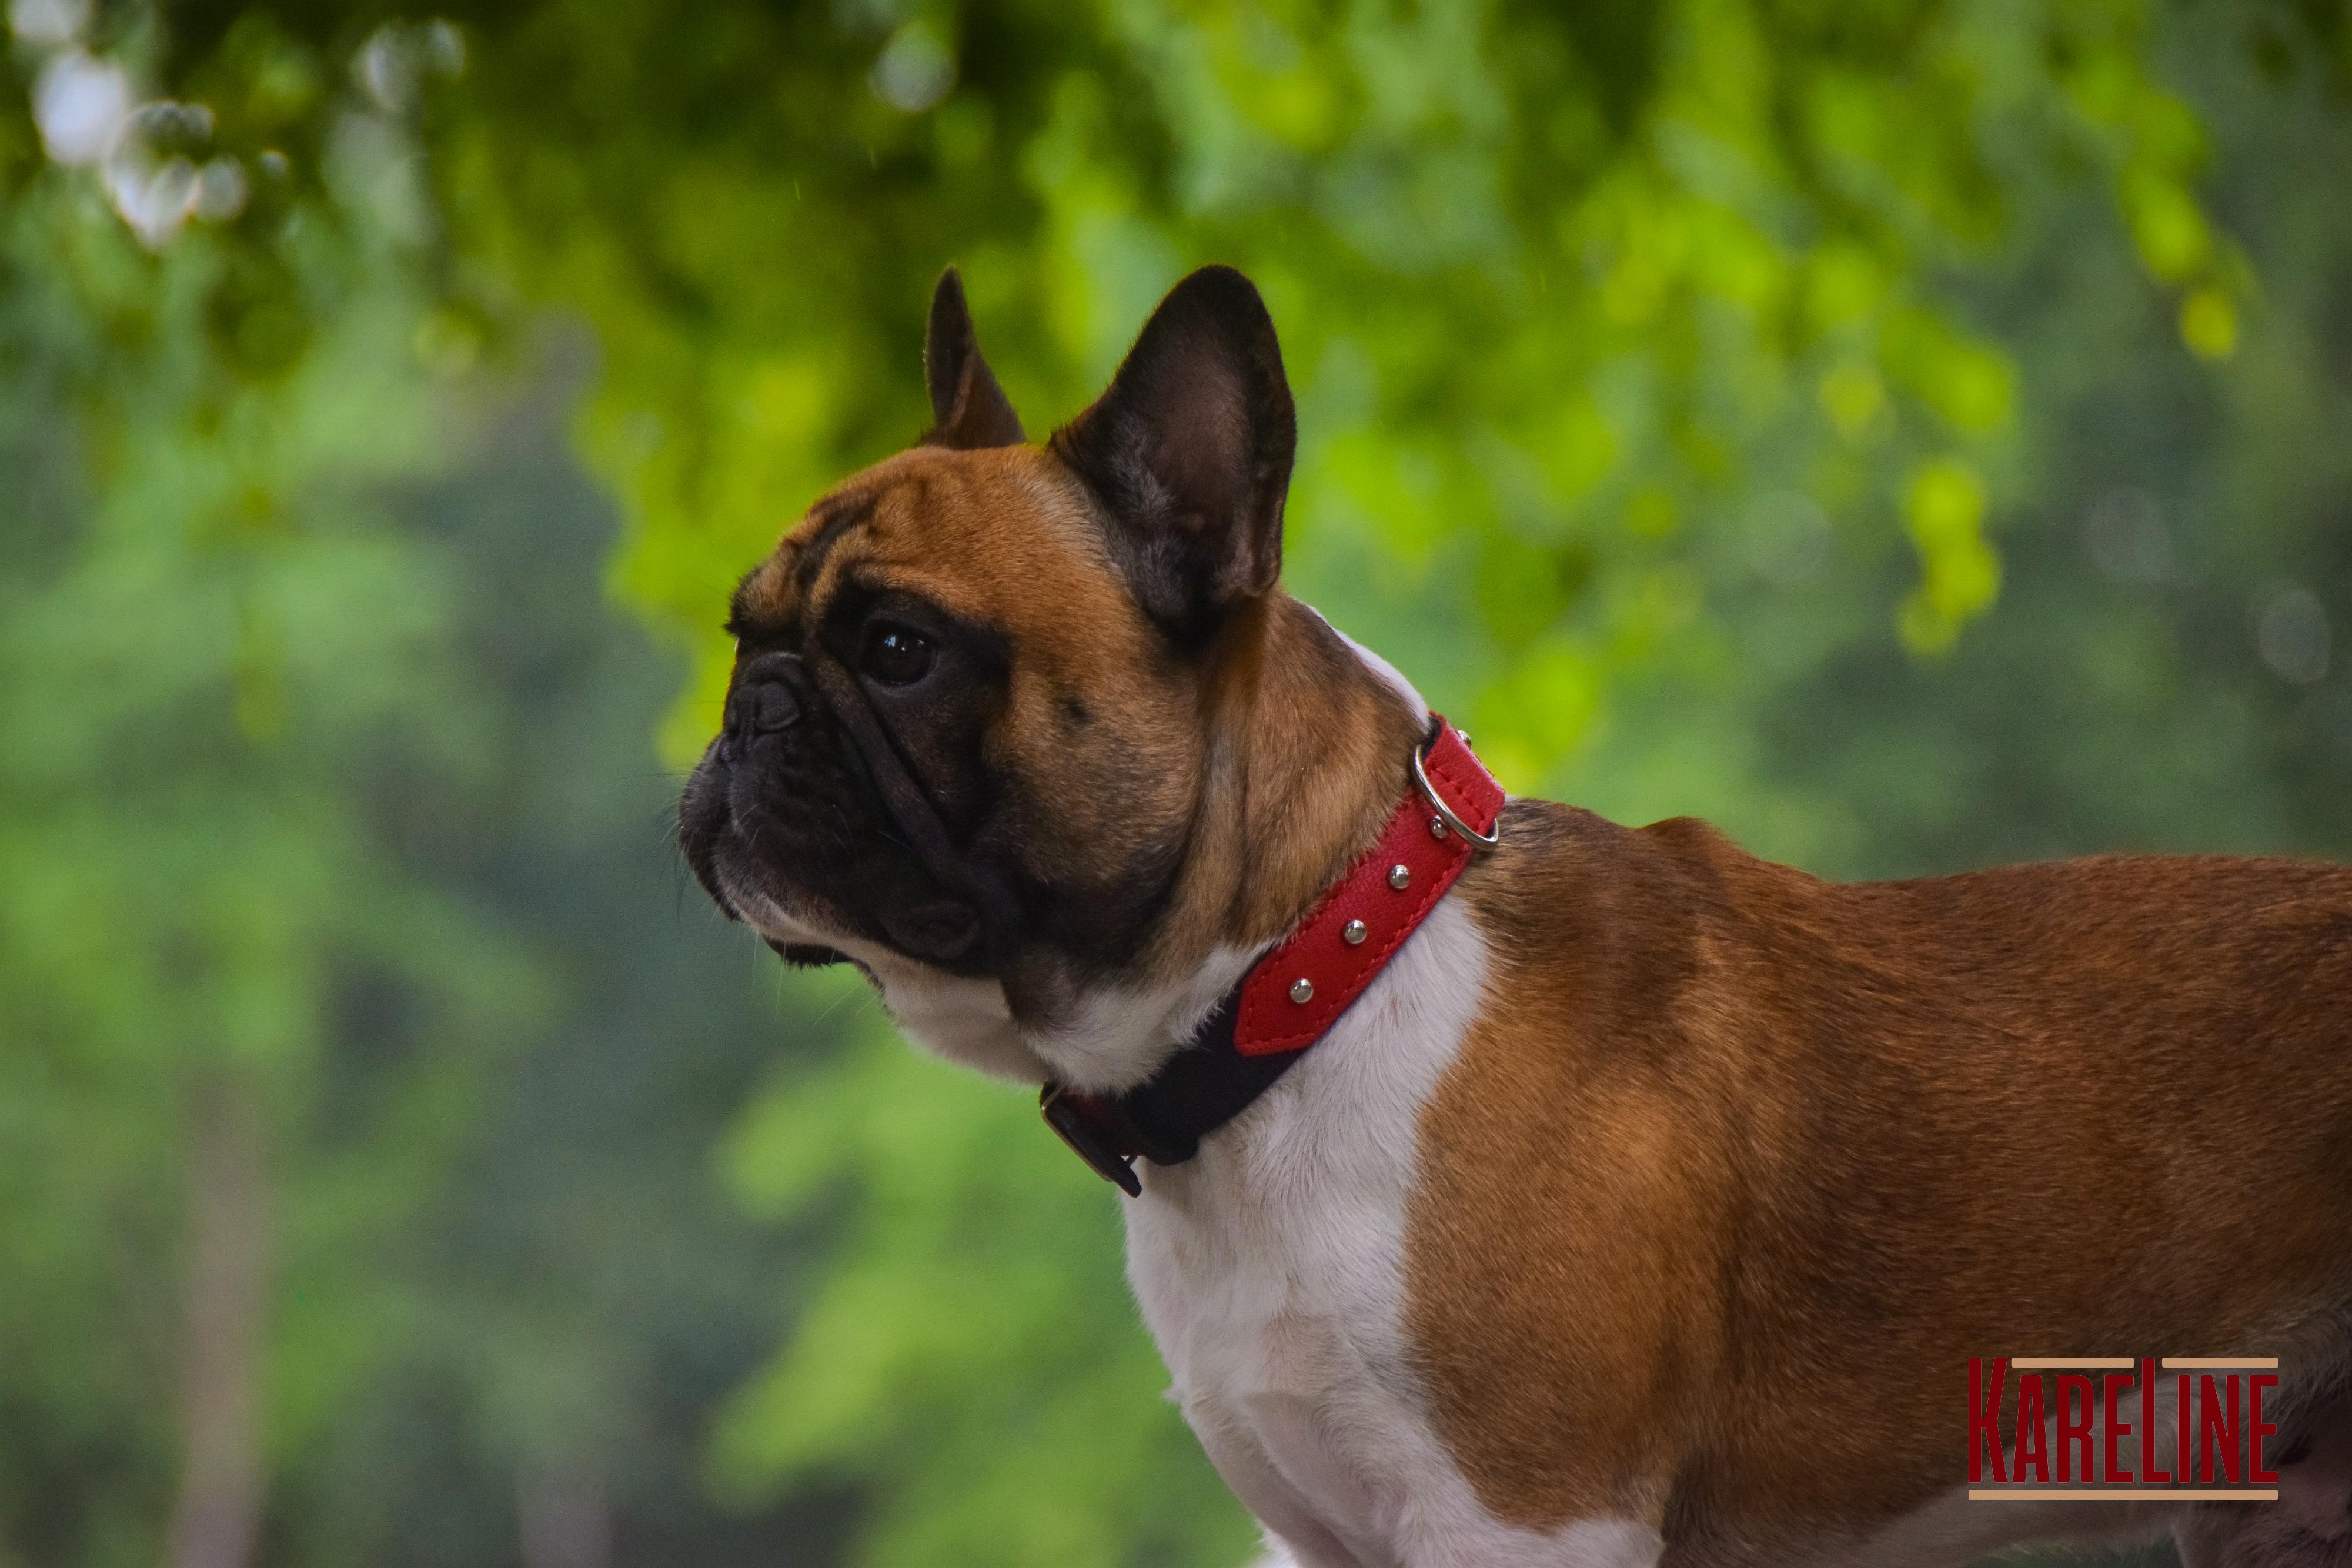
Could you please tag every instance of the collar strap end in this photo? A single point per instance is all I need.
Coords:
(1085, 1124)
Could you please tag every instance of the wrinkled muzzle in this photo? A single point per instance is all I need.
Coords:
(802, 808)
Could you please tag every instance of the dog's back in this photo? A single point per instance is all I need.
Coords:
(1756, 1162)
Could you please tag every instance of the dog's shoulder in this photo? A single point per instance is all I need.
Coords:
(1583, 914)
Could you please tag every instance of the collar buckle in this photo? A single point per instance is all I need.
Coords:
(1476, 839)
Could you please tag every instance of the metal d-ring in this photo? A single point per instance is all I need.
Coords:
(1421, 776)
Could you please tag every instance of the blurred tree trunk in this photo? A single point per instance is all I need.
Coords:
(564, 1519)
(222, 1485)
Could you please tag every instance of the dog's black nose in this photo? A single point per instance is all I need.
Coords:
(767, 696)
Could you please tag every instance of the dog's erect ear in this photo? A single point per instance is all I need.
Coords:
(1190, 452)
(968, 408)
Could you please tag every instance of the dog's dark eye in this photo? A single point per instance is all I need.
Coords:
(895, 655)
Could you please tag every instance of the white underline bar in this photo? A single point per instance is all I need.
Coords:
(2270, 1362)
(2046, 1362)
(2115, 1494)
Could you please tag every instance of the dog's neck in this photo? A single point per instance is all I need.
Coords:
(1309, 738)
(1307, 745)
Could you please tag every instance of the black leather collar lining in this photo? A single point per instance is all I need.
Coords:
(1163, 1119)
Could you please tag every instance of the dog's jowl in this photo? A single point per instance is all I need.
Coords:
(1505, 1186)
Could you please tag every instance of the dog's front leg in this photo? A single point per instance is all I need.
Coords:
(1281, 1553)
(1312, 1547)
(1296, 1538)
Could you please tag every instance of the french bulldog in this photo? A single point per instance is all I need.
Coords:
(1508, 1187)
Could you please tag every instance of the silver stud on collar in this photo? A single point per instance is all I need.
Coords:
(1302, 990)
(1353, 933)
(1399, 877)
(1437, 827)
(1464, 736)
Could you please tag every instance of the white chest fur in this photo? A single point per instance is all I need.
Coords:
(1271, 1272)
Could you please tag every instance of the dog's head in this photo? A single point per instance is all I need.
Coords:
(987, 728)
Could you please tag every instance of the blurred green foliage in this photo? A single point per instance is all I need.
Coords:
(1911, 434)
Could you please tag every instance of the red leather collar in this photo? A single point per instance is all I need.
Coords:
(1291, 996)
